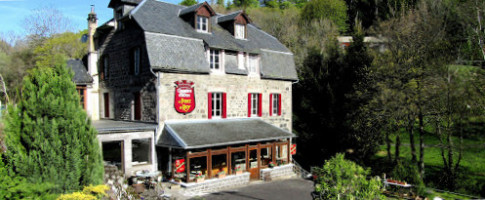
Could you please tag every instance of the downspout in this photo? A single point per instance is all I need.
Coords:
(157, 119)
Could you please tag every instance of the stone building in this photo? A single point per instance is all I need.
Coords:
(188, 91)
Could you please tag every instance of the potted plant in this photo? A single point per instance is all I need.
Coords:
(271, 164)
(238, 169)
(199, 177)
(221, 174)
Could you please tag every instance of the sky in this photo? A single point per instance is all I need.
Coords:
(13, 12)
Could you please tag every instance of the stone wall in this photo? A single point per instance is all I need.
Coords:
(236, 87)
(218, 184)
(278, 172)
(121, 83)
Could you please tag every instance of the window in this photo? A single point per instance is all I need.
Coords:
(253, 65)
(214, 60)
(254, 105)
(238, 161)
(219, 164)
(141, 151)
(202, 24)
(113, 153)
(241, 60)
(266, 156)
(198, 167)
(81, 90)
(240, 31)
(274, 104)
(137, 106)
(106, 105)
(281, 154)
(217, 105)
(119, 14)
(135, 61)
(104, 67)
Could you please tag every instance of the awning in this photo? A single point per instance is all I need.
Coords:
(210, 133)
(106, 126)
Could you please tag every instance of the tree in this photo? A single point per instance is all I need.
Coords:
(343, 179)
(188, 2)
(246, 3)
(334, 10)
(49, 136)
(65, 45)
(44, 22)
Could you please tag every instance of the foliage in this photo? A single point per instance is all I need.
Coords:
(49, 136)
(88, 193)
(408, 172)
(188, 2)
(334, 10)
(343, 179)
(15, 187)
(66, 45)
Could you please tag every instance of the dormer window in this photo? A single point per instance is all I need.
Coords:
(202, 24)
(240, 32)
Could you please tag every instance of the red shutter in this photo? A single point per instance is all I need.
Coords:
(249, 104)
(209, 103)
(270, 104)
(224, 114)
(279, 104)
(260, 105)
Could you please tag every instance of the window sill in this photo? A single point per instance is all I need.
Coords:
(203, 32)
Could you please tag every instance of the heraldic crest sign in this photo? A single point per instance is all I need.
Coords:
(184, 96)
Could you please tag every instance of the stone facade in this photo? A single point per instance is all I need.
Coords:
(236, 87)
(278, 172)
(218, 184)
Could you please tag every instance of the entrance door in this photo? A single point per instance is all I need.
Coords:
(253, 164)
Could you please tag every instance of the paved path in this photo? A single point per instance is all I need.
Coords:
(283, 189)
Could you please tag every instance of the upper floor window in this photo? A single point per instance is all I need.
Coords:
(215, 60)
(253, 67)
(241, 60)
(135, 61)
(274, 104)
(119, 14)
(254, 104)
(240, 31)
(217, 105)
(103, 67)
(202, 24)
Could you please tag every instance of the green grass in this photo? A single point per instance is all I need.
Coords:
(471, 179)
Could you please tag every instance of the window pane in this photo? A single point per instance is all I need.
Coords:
(219, 164)
(112, 153)
(238, 161)
(266, 156)
(141, 150)
(198, 166)
(253, 158)
(281, 154)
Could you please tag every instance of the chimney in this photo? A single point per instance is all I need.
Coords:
(92, 25)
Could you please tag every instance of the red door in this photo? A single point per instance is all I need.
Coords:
(253, 164)
(137, 106)
(106, 105)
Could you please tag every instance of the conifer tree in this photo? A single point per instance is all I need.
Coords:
(48, 136)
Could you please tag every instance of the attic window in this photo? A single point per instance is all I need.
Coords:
(240, 31)
(202, 24)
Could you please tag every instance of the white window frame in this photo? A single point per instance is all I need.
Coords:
(255, 104)
(136, 61)
(241, 60)
(240, 31)
(253, 65)
(275, 104)
(215, 66)
(217, 97)
(201, 21)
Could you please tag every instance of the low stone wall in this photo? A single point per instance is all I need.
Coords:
(279, 172)
(217, 184)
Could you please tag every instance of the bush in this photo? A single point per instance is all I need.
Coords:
(88, 193)
(408, 172)
(344, 179)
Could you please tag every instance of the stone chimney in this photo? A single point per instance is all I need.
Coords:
(92, 91)
(92, 25)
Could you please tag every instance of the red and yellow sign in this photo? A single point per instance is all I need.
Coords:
(180, 165)
(293, 149)
(184, 96)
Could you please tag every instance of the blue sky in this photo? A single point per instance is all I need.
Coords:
(13, 12)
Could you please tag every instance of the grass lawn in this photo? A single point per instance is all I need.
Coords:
(471, 179)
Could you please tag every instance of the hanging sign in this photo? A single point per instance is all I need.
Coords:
(293, 149)
(180, 165)
(184, 96)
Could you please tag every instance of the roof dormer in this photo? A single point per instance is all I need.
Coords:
(198, 16)
(236, 23)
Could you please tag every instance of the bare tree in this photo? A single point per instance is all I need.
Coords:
(44, 22)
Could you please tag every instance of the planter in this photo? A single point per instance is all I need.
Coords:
(199, 180)
(221, 175)
(239, 172)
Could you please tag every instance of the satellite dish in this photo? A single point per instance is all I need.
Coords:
(84, 38)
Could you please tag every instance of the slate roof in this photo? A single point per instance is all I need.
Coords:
(210, 133)
(163, 18)
(133, 2)
(228, 17)
(81, 75)
(105, 126)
